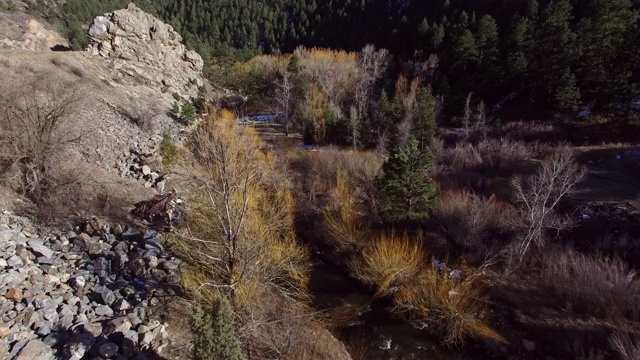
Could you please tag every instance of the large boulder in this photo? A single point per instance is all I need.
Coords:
(147, 50)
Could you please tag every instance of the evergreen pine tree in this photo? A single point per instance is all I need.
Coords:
(425, 126)
(213, 333)
(406, 191)
(605, 67)
(555, 45)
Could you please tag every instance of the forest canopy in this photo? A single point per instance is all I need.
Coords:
(550, 55)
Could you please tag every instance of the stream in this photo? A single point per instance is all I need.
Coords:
(374, 333)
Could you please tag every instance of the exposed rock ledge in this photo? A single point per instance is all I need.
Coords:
(146, 48)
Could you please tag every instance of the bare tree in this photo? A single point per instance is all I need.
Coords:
(284, 96)
(539, 195)
(371, 66)
(475, 121)
(35, 130)
(407, 92)
(354, 119)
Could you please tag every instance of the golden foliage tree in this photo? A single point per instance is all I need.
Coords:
(239, 227)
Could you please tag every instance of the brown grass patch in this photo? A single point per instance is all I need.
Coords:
(593, 285)
(475, 222)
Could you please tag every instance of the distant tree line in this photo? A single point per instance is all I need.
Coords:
(554, 55)
(547, 55)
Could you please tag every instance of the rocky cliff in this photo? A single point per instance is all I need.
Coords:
(144, 47)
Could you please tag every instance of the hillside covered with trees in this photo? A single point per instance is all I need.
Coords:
(543, 55)
(446, 183)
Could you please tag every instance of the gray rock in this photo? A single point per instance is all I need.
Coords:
(44, 328)
(119, 324)
(66, 322)
(6, 235)
(121, 305)
(104, 310)
(4, 351)
(17, 348)
(36, 350)
(43, 302)
(77, 282)
(119, 261)
(529, 345)
(77, 346)
(117, 230)
(145, 339)
(39, 249)
(101, 267)
(56, 338)
(108, 350)
(43, 260)
(108, 297)
(15, 261)
(50, 314)
(94, 329)
(152, 261)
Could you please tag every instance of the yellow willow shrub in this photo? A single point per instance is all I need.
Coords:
(313, 108)
(457, 307)
(390, 262)
(341, 218)
(239, 223)
(333, 70)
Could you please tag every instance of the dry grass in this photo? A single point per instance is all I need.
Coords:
(593, 285)
(487, 155)
(475, 222)
(391, 261)
(626, 347)
(457, 307)
(342, 220)
(395, 265)
(320, 170)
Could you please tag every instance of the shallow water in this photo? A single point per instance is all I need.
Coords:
(374, 333)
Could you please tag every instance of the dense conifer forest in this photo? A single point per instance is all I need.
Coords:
(548, 55)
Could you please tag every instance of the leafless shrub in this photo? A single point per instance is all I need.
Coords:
(35, 130)
(474, 221)
(538, 196)
(321, 169)
(593, 284)
(528, 131)
(475, 119)
(489, 154)
(143, 114)
(625, 346)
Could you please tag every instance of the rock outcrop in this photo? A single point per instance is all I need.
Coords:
(88, 293)
(145, 48)
(22, 31)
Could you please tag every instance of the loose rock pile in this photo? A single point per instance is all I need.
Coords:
(144, 167)
(85, 294)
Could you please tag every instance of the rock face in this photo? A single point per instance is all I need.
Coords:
(85, 293)
(21, 31)
(145, 47)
